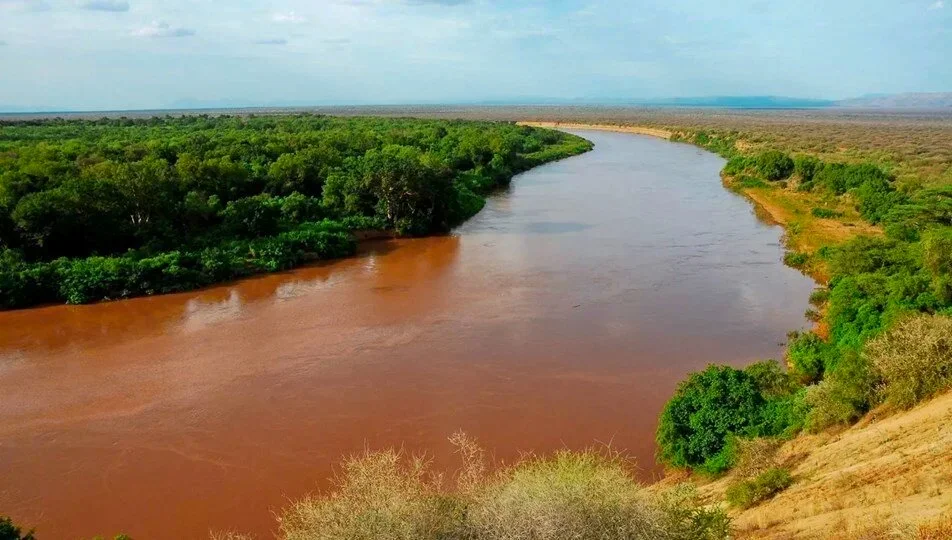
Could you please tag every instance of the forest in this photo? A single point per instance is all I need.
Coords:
(94, 210)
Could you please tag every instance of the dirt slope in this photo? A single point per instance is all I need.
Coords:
(877, 479)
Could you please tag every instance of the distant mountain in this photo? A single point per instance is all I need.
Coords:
(912, 100)
(744, 102)
(908, 101)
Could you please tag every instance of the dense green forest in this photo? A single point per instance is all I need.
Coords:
(114, 208)
(885, 338)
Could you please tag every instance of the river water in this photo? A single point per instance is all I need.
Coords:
(563, 315)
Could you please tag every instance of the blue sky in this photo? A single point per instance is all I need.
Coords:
(133, 54)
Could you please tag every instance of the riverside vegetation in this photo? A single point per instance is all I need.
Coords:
(883, 338)
(115, 208)
(880, 244)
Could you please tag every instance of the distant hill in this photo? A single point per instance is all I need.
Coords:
(907, 101)
(744, 102)
(912, 100)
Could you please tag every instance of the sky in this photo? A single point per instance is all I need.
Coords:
(142, 54)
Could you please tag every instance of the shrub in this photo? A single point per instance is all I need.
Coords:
(771, 380)
(841, 177)
(363, 223)
(795, 259)
(825, 213)
(747, 493)
(819, 297)
(589, 495)
(96, 278)
(876, 199)
(736, 165)
(806, 167)
(844, 395)
(808, 356)
(9, 531)
(748, 181)
(378, 495)
(774, 165)
(583, 495)
(707, 411)
(937, 251)
(755, 456)
(914, 358)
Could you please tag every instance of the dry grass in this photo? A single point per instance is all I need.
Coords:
(804, 232)
(227, 535)
(570, 495)
(881, 478)
(378, 495)
(654, 132)
(589, 495)
(756, 456)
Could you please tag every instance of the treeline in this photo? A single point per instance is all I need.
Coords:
(886, 310)
(113, 208)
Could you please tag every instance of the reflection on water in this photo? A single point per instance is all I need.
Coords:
(200, 313)
(564, 313)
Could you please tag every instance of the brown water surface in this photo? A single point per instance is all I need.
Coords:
(562, 315)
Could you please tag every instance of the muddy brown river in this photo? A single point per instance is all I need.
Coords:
(563, 315)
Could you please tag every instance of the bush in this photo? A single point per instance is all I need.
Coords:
(795, 259)
(749, 493)
(841, 177)
(378, 495)
(844, 395)
(587, 495)
(747, 181)
(825, 213)
(710, 409)
(9, 531)
(809, 356)
(914, 358)
(736, 165)
(819, 297)
(771, 379)
(755, 456)
(937, 251)
(774, 165)
(806, 167)
(876, 199)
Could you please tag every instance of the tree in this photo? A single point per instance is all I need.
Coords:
(774, 165)
(9, 531)
(707, 409)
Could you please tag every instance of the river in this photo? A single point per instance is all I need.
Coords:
(563, 315)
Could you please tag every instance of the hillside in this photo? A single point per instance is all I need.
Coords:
(877, 478)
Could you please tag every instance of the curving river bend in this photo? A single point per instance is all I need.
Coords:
(563, 315)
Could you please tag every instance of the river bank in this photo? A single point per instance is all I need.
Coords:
(847, 481)
(555, 317)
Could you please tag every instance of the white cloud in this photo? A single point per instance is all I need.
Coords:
(278, 41)
(938, 4)
(160, 29)
(289, 17)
